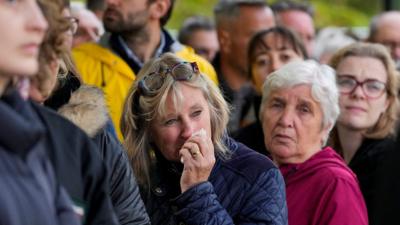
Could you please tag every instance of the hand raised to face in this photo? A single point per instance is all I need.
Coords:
(197, 156)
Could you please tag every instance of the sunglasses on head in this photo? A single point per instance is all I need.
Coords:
(152, 82)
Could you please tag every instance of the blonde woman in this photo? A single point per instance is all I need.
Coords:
(364, 132)
(189, 171)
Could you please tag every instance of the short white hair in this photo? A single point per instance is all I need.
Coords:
(321, 79)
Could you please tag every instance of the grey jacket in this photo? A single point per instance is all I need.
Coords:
(29, 191)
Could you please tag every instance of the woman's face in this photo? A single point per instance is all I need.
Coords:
(357, 110)
(292, 124)
(278, 53)
(22, 29)
(170, 132)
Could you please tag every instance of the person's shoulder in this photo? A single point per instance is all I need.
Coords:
(90, 48)
(332, 169)
(92, 51)
(247, 162)
(58, 126)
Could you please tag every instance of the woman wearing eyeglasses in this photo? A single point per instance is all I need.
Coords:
(189, 171)
(363, 135)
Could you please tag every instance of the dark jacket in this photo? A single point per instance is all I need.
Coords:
(29, 190)
(86, 108)
(252, 135)
(246, 189)
(78, 167)
(376, 166)
(239, 100)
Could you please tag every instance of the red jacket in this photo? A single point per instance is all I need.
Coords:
(323, 191)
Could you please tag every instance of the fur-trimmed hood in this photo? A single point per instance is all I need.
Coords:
(86, 109)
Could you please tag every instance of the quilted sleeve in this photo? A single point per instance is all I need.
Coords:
(200, 205)
(265, 203)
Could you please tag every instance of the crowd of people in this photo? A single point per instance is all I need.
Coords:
(107, 118)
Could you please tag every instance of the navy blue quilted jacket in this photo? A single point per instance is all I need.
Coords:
(246, 189)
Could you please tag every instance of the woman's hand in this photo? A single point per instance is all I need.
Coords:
(197, 156)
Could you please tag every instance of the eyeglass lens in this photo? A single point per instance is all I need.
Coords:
(371, 87)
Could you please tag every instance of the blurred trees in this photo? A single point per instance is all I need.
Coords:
(349, 13)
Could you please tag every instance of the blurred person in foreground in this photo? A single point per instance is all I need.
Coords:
(189, 171)
(269, 50)
(199, 33)
(135, 34)
(58, 85)
(298, 109)
(385, 29)
(299, 17)
(29, 192)
(365, 131)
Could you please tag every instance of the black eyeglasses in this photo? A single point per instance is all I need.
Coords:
(152, 82)
(372, 88)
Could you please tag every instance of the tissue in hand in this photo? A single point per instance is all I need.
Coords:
(200, 133)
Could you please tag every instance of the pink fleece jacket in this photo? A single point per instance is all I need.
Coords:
(323, 191)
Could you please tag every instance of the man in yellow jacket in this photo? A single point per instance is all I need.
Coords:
(135, 35)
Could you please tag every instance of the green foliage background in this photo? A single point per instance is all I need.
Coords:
(349, 13)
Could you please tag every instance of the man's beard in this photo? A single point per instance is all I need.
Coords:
(114, 21)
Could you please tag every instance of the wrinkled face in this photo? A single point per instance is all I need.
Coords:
(250, 21)
(171, 131)
(302, 24)
(275, 53)
(125, 15)
(292, 124)
(357, 111)
(22, 28)
(204, 43)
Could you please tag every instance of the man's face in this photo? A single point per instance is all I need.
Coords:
(388, 34)
(239, 31)
(125, 15)
(204, 43)
(302, 24)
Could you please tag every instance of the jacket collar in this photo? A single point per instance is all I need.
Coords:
(20, 126)
(119, 46)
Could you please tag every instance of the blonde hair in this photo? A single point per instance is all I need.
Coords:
(140, 110)
(386, 124)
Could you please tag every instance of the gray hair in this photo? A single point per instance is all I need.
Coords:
(226, 10)
(322, 80)
(282, 6)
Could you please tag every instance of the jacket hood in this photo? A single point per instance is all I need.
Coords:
(86, 109)
(327, 157)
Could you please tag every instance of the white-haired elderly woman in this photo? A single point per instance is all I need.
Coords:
(299, 108)
(189, 171)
